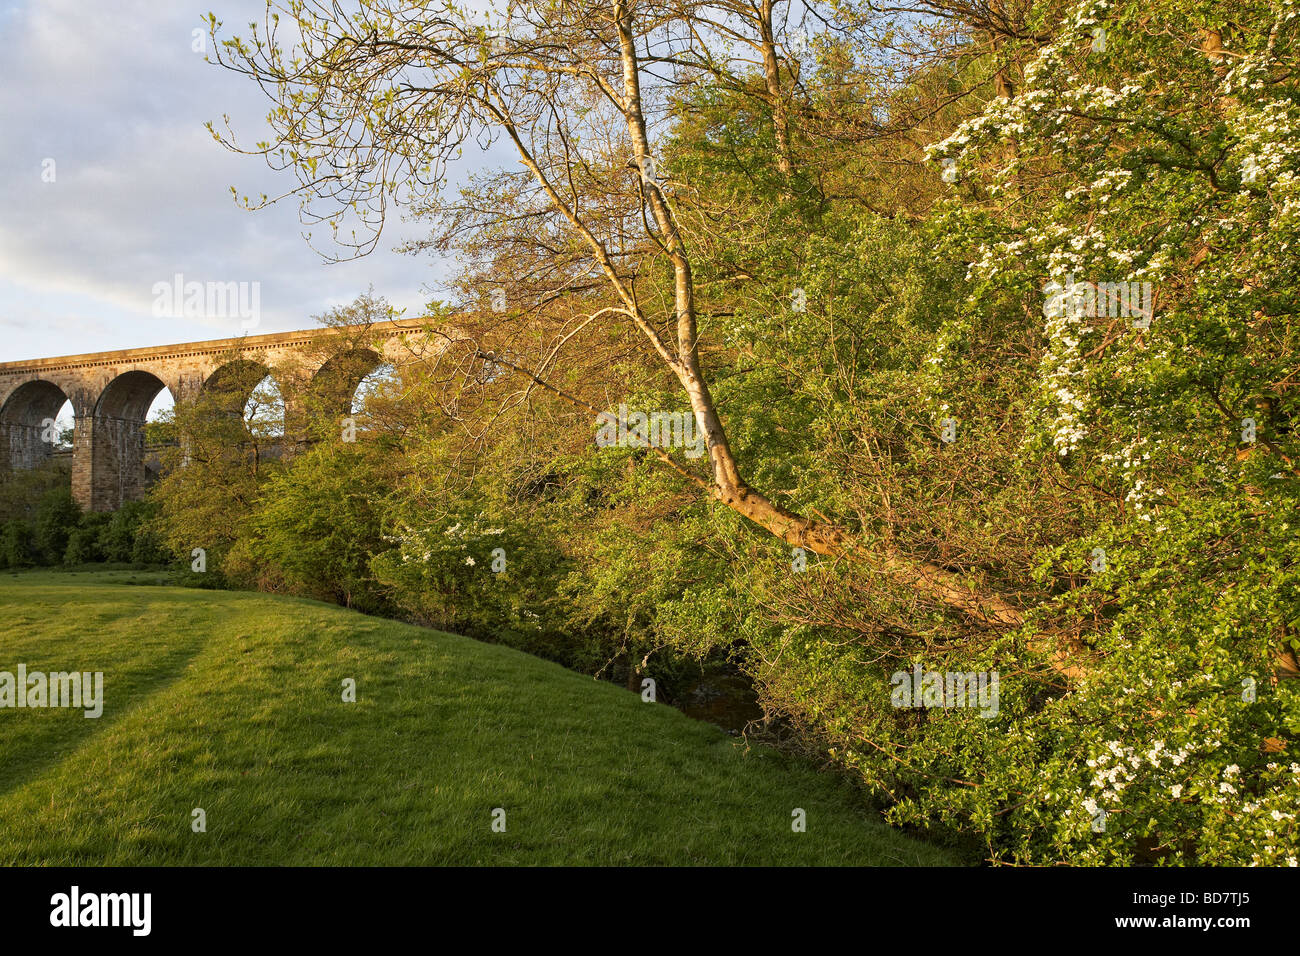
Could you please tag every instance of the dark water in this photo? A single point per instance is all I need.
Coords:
(727, 700)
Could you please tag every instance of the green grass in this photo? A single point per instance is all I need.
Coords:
(232, 702)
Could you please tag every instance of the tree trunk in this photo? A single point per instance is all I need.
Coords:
(775, 101)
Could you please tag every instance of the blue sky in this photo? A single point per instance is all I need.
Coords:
(114, 94)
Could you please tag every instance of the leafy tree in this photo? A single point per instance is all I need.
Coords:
(16, 549)
(211, 475)
(315, 527)
(57, 517)
(1000, 471)
(21, 490)
(118, 537)
(84, 540)
(384, 99)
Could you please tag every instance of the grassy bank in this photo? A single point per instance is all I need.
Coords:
(232, 702)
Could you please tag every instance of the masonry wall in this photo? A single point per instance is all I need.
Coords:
(110, 404)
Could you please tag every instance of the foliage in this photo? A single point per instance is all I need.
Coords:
(84, 540)
(21, 490)
(211, 477)
(1020, 315)
(314, 528)
(125, 538)
(57, 517)
(16, 544)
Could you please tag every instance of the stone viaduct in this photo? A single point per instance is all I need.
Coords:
(111, 393)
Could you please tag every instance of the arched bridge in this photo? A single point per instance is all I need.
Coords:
(111, 393)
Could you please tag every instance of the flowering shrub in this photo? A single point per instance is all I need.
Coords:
(1055, 359)
(1151, 161)
(1128, 472)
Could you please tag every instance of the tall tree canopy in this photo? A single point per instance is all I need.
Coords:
(989, 305)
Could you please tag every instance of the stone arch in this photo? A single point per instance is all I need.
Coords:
(235, 381)
(24, 434)
(110, 393)
(116, 440)
(376, 382)
(334, 386)
(129, 395)
(232, 387)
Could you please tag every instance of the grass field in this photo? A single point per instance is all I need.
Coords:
(232, 702)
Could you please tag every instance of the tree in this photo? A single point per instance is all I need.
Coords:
(211, 475)
(57, 516)
(316, 525)
(1133, 486)
(84, 540)
(372, 108)
(15, 544)
(119, 537)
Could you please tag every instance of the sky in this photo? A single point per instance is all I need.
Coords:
(110, 185)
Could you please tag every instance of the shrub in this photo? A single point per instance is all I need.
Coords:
(119, 537)
(57, 516)
(83, 542)
(16, 544)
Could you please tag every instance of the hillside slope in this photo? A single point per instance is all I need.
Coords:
(232, 702)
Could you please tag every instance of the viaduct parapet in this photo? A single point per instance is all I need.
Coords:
(111, 393)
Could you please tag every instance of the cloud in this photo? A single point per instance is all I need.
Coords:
(111, 100)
